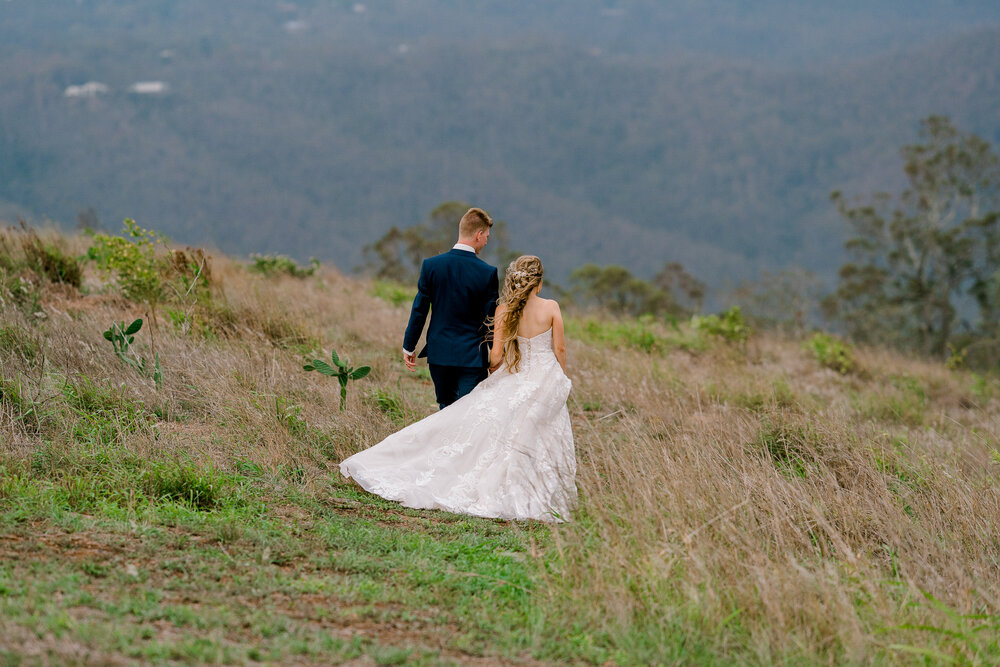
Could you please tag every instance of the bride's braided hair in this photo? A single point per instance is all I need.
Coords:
(523, 276)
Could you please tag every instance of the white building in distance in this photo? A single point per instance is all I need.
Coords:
(149, 88)
(89, 89)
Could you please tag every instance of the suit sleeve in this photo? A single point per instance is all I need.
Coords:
(418, 312)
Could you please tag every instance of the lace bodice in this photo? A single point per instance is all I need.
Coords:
(536, 350)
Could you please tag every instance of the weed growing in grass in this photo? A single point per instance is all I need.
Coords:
(20, 405)
(777, 395)
(121, 338)
(49, 260)
(22, 291)
(903, 477)
(956, 357)
(984, 387)
(289, 415)
(104, 415)
(104, 478)
(832, 352)
(272, 265)
(392, 292)
(201, 487)
(339, 370)
(905, 403)
(789, 446)
(730, 325)
(18, 342)
(638, 334)
(390, 404)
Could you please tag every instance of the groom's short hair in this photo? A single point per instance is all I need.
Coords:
(475, 220)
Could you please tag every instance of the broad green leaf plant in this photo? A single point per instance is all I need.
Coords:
(121, 338)
(340, 370)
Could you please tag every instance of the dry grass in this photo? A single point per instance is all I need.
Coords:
(735, 505)
(718, 489)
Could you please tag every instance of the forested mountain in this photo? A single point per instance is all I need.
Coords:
(631, 132)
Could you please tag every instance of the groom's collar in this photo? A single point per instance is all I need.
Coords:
(462, 246)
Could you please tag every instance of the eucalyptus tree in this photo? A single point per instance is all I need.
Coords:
(917, 257)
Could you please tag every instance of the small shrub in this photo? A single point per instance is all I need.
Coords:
(729, 325)
(273, 265)
(831, 352)
(638, 334)
(179, 319)
(956, 357)
(393, 292)
(132, 260)
(193, 269)
(48, 260)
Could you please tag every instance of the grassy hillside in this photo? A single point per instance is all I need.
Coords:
(739, 502)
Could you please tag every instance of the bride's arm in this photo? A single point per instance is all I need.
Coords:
(496, 351)
(558, 337)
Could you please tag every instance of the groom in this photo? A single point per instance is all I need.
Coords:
(463, 291)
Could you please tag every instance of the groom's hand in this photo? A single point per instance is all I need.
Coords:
(410, 359)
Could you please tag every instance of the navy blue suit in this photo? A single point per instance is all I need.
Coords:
(462, 290)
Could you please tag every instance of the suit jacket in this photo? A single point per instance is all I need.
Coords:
(462, 290)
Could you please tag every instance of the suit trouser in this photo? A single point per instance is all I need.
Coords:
(453, 382)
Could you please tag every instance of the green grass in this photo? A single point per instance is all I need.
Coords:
(902, 400)
(175, 561)
(644, 333)
(789, 446)
(392, 292)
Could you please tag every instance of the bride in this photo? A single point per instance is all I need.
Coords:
(505, 450)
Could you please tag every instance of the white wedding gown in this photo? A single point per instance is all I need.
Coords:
(505, 450)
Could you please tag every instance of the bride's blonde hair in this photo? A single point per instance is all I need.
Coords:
(523, 275)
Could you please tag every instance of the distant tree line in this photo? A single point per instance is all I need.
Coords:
(923, 275)
(397, 255)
